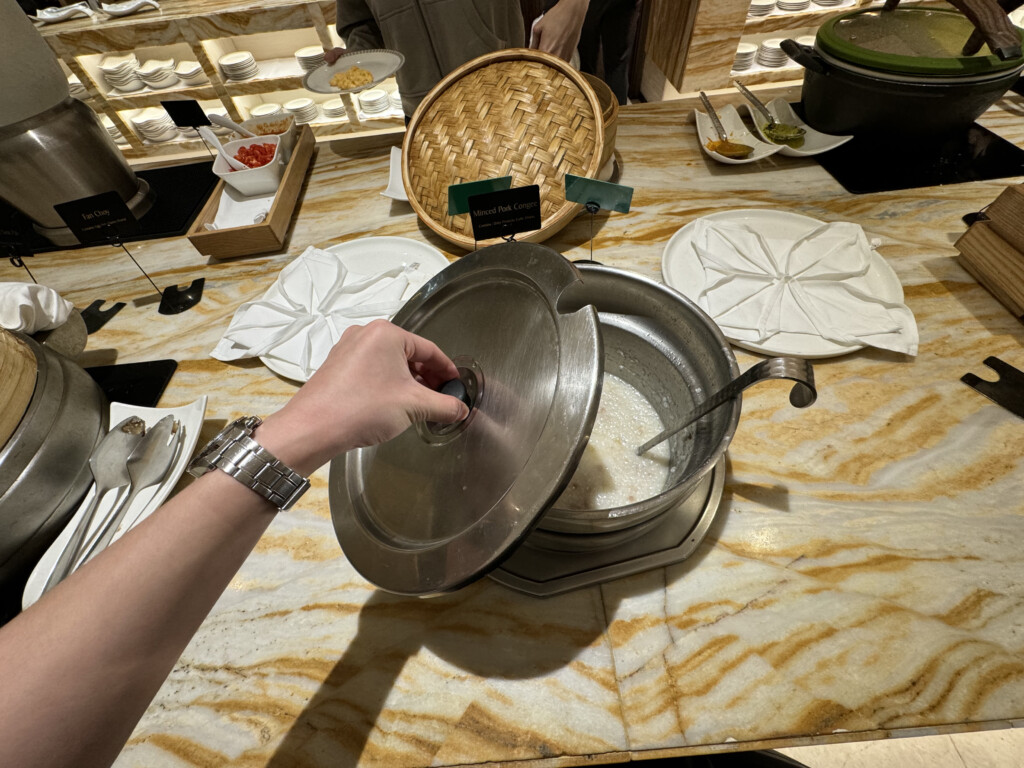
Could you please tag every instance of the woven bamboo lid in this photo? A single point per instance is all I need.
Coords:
(17, 382)
(515, 112)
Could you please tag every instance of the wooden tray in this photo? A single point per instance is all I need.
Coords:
(271, 233)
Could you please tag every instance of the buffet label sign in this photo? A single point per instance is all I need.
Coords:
(102, 218)
(502, 214)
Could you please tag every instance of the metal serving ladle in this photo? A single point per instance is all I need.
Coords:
(795, 369)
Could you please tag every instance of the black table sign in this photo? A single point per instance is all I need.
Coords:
(501, 214)
(186, 113)
(102, 218)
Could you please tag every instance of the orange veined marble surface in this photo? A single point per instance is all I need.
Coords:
(861, 579)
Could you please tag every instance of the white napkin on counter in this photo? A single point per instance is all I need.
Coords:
(30, 308)
(238, 210)
(305, 312)
(758, 286)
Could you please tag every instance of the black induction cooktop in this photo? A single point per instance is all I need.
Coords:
(865, 164)
(180, 192)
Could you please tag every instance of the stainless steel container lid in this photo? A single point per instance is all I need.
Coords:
(440, 506)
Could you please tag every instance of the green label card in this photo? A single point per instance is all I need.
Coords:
(611, 197)
(459, 194)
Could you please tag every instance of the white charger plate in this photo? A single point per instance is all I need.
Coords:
(815, 142)
(381, 63)
(367, 256)
(190, 418)
(737, 131)
(681, 269)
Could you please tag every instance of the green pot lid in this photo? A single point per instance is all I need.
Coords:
(921, 41)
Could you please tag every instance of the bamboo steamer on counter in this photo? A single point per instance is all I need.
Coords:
(515, 112)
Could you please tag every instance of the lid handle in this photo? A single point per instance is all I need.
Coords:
(456, 388)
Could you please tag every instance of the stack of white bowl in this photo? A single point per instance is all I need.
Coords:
(792, 5)
(120, 72)
(760, 7)
(239, 65)
(219, 129)
(334, 109)
(374, 101)
(158, 73)
(112, 130)
(265, 110)
(745, 53)
(155, 124)
(190, 72)
(396, 100)
(770, 53)
(310, 58)
(303, 110)
(76, 88)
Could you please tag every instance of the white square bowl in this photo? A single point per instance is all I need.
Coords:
(252, 181)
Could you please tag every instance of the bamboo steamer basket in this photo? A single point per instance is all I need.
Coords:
(17, 382)
(609, 114)
(515, 112)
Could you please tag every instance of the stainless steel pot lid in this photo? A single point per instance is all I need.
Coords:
(438, 507)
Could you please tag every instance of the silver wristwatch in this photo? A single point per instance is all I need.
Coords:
(235, 452)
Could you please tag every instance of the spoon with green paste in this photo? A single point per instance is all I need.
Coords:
(773, 130)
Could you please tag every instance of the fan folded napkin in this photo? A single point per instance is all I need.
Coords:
(305, 312)
(757, 286)
(32, 308)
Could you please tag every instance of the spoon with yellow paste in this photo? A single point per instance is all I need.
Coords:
(724, 147)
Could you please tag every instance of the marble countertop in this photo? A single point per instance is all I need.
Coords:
(861, 580)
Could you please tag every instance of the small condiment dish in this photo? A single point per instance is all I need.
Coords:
(737, 131)
(815, 142)
(282, 126)
(252, 181)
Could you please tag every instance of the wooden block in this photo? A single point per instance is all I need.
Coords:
(1007, 215)
(271, 233)
(995, 264)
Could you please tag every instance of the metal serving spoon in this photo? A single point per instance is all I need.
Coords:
(726, 148)
(794, 368)
(774, 131)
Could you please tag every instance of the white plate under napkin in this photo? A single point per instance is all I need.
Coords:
(316, 297)
(754, 273)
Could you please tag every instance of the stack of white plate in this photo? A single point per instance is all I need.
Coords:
(240, 65)
(827, 3)
(334, 109)
(745, 53)
(760, 7)
(219, 129)
(396, 100)
(120, 72)
(112, 130)
(770, 53)
(76, 88)
(158, 73)
(310, 58)
(792, 5)
(374, 101)
(806, 40)
(304, 110)
(155, 124)
(190, 72)
(265, 109)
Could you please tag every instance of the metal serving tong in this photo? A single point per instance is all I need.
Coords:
(795, 369)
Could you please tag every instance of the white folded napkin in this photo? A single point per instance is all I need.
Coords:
(758, 286)
(30, 308)
(238, 210)
(305, 312)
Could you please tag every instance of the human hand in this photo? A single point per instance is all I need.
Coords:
(558, 32)
(333, 54)
(377, 381)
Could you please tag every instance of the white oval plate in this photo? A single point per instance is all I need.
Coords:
(367, 256)
(737, 131)
(379, 62)
(190, 418)
(815, 142)
(681, 269)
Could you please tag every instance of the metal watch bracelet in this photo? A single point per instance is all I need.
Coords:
(236, 453)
